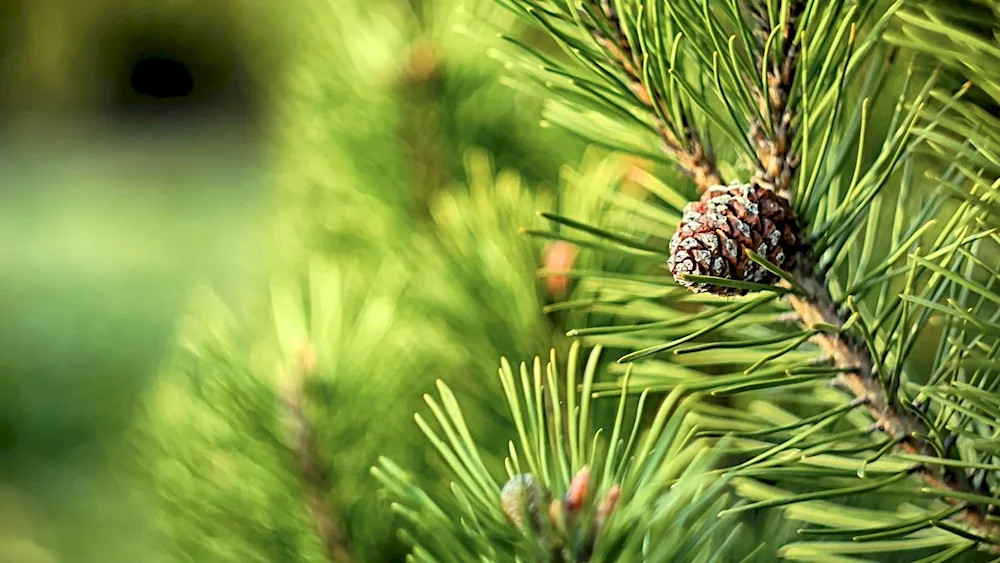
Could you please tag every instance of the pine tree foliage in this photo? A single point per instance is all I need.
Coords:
(970, 49)
(299, 406)
(26, 537)
(574, 491)
(265, 422)
(342, 336)
(379, 106)
(855, 399)
(868, 375)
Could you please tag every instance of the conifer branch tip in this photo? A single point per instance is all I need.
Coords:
(773, 143)
(690, 153)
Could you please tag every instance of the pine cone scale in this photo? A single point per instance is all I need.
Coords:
(715, 233)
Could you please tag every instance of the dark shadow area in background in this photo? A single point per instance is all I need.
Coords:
(161, 77)
(130, 168)
(11, 13)
(175, 101)
(186, 71)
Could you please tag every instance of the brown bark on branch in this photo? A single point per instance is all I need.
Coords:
(777, 161)
(848, 352)
(690, 154)
(778, 166)
(307, 460)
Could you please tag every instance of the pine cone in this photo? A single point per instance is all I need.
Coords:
(715, 232)
(522, 494)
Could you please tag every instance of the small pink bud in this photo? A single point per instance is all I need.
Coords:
(608, 504)
(557, 514)
(578, 490)
(422, 61)
(305, 359)
(559, 257)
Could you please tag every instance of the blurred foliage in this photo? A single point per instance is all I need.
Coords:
(378, 116)
(24, 537)
(965, 45)
(380, 106)
(397, 258)
(384, 327)
(104, 236)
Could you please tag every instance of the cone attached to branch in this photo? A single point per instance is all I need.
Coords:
(715, 233)
(572, 521)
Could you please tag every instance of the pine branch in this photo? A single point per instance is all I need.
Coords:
(573, 493)
(307, 461)
(774, 145)
(808, 87)
(690, 154)
(421, 125)
(847, 352)
(861, 379)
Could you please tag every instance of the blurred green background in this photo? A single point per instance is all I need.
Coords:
(116, 201)
(142, 153)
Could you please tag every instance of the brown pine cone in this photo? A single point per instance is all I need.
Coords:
(715, 232)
